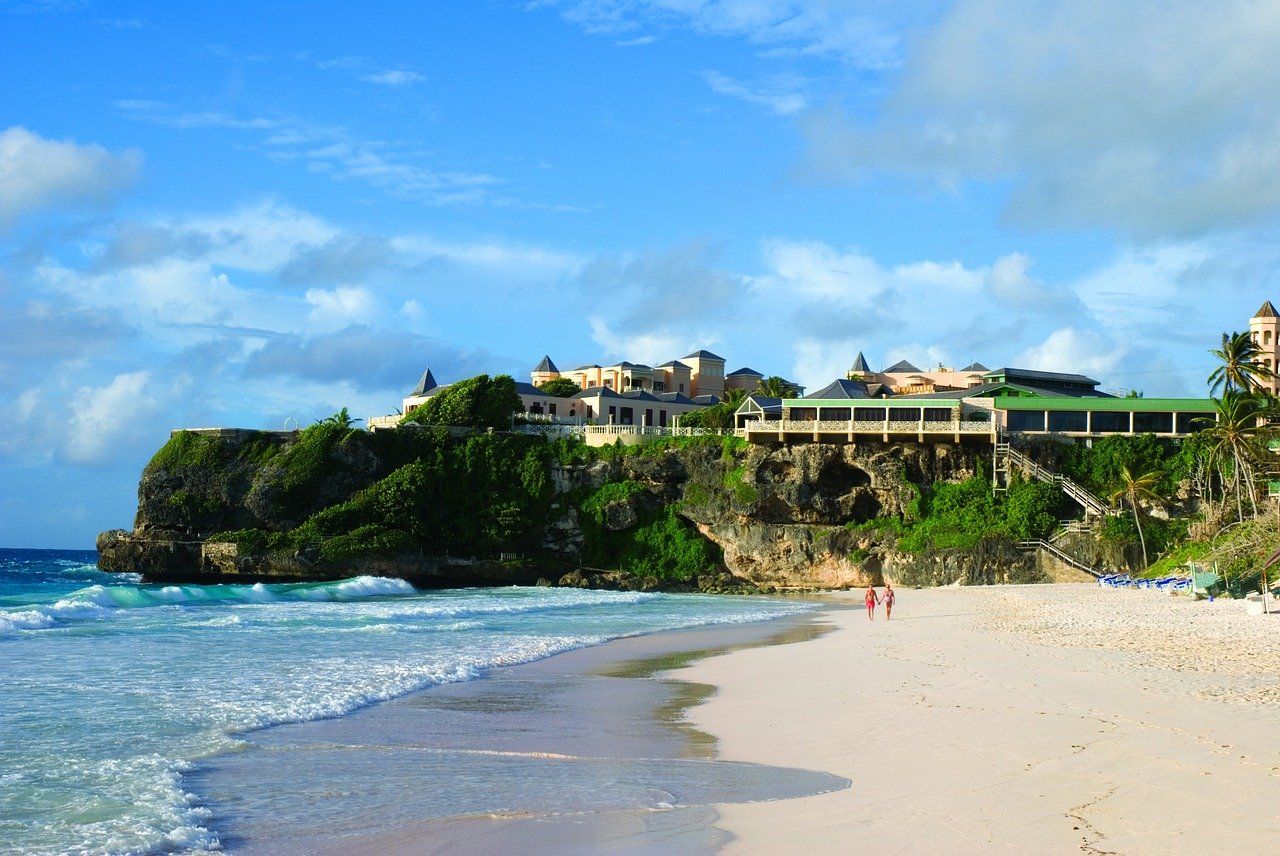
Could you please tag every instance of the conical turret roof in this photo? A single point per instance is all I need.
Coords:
(860, 365)
(546, 366)
(426, 384)
(1267, 311)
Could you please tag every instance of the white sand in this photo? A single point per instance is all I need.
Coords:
(1030, 720)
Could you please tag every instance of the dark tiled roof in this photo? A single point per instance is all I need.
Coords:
(702, 355)
(1033, 375)
(975, 367)
(902, 366)
(841, 389)
(1267, 311)
(860, 364)
(674, 364)
(425, 384)
(707, 400)
(584, 368)
(529, 389)
(768, 405)
(744, 372)
(546, 365)
(673, 397)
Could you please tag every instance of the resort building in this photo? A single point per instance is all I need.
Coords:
(1264, 326)
(700, 373)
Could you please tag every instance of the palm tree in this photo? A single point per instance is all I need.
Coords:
(734, 397)
(1236, 437)
(342, 417)
(775, 387)
(1242, 369)
(1137, 489)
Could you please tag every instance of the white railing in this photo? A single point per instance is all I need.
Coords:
(828, 426)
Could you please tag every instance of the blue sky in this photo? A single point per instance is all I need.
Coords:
(235, 213)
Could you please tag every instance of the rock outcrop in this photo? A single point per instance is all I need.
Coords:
(780, 515)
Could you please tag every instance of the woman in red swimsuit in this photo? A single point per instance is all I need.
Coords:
(872, 600)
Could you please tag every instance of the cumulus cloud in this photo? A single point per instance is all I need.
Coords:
(658, 298)
(37, 173)
(1086, 110)
(106, 422)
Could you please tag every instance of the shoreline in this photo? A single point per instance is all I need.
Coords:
(593, 745)
(1011, 720)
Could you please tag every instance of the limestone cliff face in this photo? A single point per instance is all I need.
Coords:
(779, 514)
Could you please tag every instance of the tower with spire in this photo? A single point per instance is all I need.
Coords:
(1264, 326)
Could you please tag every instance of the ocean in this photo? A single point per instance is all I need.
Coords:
(113, 692)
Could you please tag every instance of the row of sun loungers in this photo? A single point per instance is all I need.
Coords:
(1163, 584)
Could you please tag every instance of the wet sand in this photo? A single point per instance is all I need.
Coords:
(581, 753)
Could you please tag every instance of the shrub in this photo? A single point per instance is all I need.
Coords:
(480, 402)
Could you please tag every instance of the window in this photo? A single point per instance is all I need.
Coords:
(1108, 422)
(904, 414)
(551, 408)
(868, 414)
(662, 418)
(1153, 423)
(1068, 420)
(1026, 420)
(681, 388)
(613, 414)
(648, 417)
(659, 386)
(1266, 337)
(628, 416)
(608, 384)
(804, 414)
(937, 414)
(835, 414)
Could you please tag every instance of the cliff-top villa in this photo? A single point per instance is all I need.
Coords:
(904, 402)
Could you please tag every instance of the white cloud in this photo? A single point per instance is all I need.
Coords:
(38, 173)
(334, 310)
(778, 96)
(393, 77)
(861, 34)
(648, 348)
(1143, 116)
(105, 421)
(1078, 351)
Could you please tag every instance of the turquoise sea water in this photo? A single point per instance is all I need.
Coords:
(111, 690)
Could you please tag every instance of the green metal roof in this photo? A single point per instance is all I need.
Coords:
(1122, 405)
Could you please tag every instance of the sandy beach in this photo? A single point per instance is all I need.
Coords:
(1011, 720)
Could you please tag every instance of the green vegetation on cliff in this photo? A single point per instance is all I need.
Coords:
(961, 515)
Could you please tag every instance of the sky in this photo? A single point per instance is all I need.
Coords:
(253, 215)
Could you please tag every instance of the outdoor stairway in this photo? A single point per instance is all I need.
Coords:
(1005, 455)
(1058, 553)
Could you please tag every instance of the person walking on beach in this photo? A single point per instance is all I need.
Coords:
(872, 600)
(887, 599)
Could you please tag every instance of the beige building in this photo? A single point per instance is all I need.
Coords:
(699, 374)
(903, 378)
(1265, 328)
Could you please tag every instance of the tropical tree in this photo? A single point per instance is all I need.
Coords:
(1241, 369)
(480, 402)
(560, 387)
(775, 387)
(1137, 489)
(734, 397)
(342, 417)
(1236, 438)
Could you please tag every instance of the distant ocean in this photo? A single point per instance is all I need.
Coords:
(111, 690)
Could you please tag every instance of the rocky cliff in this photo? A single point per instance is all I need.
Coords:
(782, 517)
